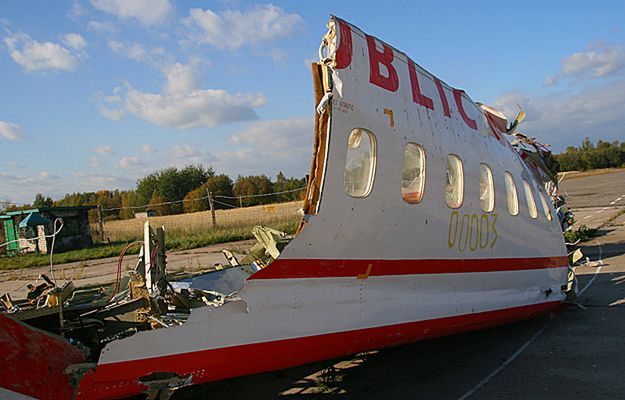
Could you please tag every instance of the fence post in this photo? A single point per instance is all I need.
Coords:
(100, 224)
(212, 207)
(240, 201)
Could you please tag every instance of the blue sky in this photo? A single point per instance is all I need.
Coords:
(96, 93)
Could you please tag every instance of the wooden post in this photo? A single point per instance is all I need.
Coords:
(240, 201)
(100, 223)
(212, 207)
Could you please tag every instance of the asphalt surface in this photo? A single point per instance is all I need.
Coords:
(104, 270)
(595, 191)
(577, 353)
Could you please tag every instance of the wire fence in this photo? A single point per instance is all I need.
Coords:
(233, 218)
(238, 198)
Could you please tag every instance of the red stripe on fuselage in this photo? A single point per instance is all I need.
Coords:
(319, 268)
(117, 380)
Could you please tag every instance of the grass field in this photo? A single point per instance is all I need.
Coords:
(200, 222)
(183, 231)
(592, 172)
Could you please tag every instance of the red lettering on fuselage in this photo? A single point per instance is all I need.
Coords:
(344, 53)
(441, 94)
(377, 58)
(471, 123)
(417, 96)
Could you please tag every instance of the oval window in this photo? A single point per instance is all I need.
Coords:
(413, 173)
(545, 206)
(529, 196)
(511, 194)
(360, 163)
(487, 190)
(454, 188)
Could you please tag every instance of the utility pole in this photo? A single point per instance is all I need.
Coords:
(100, 224)
(212, 207)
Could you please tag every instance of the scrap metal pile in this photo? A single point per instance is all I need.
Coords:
(145, 299)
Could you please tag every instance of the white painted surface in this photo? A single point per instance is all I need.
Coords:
(382, 226)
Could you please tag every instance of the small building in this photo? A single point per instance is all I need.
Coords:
(31, 230)
(145, 214)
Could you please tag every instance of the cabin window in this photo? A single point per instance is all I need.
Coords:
(360, 163)
(529, 196)
(487, 190)
(454, 188)
(545, 206)
(511, 194)
(413, 174)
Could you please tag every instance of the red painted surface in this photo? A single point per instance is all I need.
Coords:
(377, 58)
(119, 379)
(471, 123)
(343, 57)
(315, 268)
(443, 97)
(33, 361)
(417, 96)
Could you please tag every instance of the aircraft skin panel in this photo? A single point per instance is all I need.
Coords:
(277, 311)
(371, 272)
(382, 225)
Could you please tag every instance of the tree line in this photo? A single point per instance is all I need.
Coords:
(186, 190)
(592, 156)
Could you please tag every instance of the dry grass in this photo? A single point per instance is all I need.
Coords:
(193, 223)
(592, 172)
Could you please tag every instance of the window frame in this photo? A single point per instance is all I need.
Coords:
(491, 188)
(459, 203)
(514, 191)
(529, 195)
(422, 174)
(545, 204)
(373, 152)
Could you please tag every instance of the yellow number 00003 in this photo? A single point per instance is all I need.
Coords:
(472, 231)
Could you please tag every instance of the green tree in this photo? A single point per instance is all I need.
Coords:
(172, 185)
(254, 185)
(290, 185)
(129, 199)
(156, 204)
(42, 201)
(219, 185)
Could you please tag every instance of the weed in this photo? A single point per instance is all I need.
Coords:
(583, 233)
(175, 240)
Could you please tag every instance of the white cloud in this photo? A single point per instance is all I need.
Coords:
(269, 146)
(136, 52)
(565, 119)
(14, 165)
(208, 108)
(185, 154)
(95, 162)
(277, 55)
(147, 12)
(594, 63)
(115, 114)
(234, 29)
(10, 131)
(181, 78)
(130, 162)
(148, 149)
(39, 56)
(103, 150)
(74, 40)
(77, 10)
(184, 105)
(102, 26)
(22, 188)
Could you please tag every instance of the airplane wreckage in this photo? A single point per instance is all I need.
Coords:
(421, 219)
